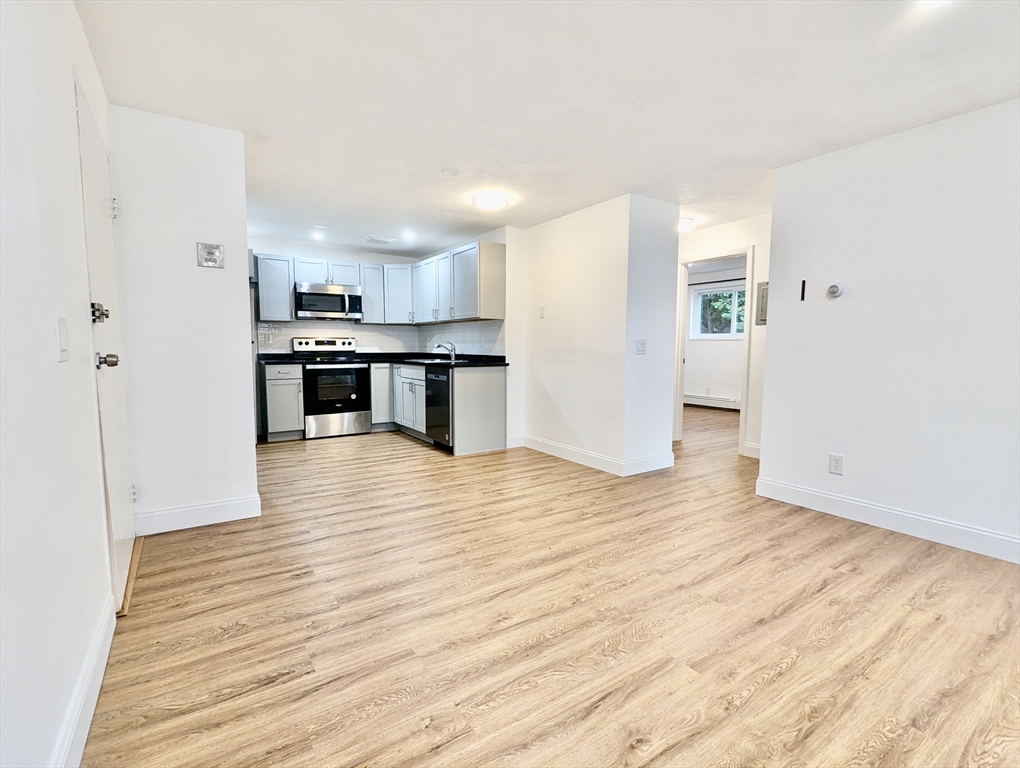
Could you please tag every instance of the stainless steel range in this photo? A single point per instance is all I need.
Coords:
(337, 391)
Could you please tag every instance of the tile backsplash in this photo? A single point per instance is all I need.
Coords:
(275, 337)
(479, 337)
(482, 337)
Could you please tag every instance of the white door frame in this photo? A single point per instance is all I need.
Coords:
(683, 312)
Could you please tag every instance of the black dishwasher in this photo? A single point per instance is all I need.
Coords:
(438, 421)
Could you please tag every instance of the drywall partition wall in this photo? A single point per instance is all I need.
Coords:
(186, 328)
(726, 240)
(576, 333)
(56, 598)
(913, 375)
(713, 368)
(597, 281)
(650, 347)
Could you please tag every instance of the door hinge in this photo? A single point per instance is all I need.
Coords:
(113, 207)
(134, 494)
(99, 313)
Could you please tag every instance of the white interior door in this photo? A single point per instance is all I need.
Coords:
(106, 340)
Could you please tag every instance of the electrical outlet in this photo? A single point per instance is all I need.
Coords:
(835, 464)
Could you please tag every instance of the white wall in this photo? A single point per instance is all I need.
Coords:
(914, 374)
(651, 314)
(604, 281)
(726, 240)
(56, 598)
(713, 368)
(574, 392)
(186, 328)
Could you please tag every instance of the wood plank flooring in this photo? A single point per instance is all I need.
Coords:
(395, 606)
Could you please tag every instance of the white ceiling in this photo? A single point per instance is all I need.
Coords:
(351, 110)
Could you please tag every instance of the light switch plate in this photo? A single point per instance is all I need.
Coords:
(640, 347)
(60, 336)
(210, 255)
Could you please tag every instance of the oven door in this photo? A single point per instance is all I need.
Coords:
(338, 399)
(320, 300)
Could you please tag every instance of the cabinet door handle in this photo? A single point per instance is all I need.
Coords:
(451, 311)
(408, 317)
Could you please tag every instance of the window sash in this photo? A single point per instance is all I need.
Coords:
(698, 294)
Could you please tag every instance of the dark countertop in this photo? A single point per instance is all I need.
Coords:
(409, 358)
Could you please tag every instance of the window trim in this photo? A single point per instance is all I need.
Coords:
(697, 291)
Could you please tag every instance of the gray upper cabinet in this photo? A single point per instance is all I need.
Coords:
(341, 273)
(311, 270)
(276, 287)
(426, 310)
(444, 286)
(399, 307)
(373, 302)
(479, 282)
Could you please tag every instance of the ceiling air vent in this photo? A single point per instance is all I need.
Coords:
(377, 239)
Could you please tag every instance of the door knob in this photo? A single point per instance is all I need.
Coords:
(110, 361)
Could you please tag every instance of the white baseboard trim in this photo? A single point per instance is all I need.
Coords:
(750, 449)
(598, 461)
(515, 441)
(712, 402)
(959, 535)
(194, 515)
(78, 717)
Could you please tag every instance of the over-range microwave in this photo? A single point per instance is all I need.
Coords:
(326, 301)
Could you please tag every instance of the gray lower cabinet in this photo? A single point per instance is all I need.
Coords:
(478, 398)
(284, 401)
(382, 394)
(409, 396)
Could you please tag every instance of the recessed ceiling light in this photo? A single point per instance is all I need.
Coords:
(320, 226)
(451, 172)
(317, 234)
(490, 199)
(686, 224)
(408, 235)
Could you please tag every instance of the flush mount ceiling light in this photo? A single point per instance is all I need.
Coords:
(408, 235)
(451, 172)
(490, 199)
(686, 224)
(317, 234)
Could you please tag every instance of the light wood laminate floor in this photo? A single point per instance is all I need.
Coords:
(398, 607)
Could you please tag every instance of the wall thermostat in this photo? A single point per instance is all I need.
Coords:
(835, 290)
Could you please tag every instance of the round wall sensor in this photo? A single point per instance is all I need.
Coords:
(835, 290)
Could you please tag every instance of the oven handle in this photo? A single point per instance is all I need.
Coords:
(333, 367)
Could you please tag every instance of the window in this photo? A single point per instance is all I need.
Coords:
(717, 311)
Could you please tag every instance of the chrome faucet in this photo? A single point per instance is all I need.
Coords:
(450, 347)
